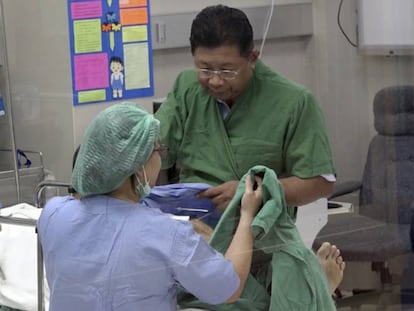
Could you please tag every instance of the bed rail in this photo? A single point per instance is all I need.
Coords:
(39, 204)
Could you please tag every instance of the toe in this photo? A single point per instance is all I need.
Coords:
(334, 252)
(324, 250)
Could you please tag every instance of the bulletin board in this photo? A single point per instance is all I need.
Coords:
(110, 48)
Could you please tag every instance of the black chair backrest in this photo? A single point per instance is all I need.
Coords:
(388, 180)
(412, 232)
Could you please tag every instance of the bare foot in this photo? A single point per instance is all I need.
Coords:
(332, 263)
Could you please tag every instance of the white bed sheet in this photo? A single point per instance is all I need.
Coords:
(18, 261)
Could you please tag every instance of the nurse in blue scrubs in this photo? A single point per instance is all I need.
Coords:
(106, 251)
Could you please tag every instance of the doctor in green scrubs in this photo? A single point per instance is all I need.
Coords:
(231, 112)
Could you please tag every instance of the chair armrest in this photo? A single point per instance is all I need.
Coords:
(345, 188)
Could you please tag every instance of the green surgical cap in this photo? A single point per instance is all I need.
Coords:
(119, 140)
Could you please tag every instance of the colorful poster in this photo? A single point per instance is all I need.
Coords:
(110, 44)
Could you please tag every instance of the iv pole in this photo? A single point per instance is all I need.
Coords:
(5, 70)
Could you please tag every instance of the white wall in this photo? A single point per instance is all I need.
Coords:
(39, 65)
(344, 81)
(162, 7)
(339, 81)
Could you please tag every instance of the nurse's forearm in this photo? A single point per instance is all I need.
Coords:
(303, 191)
(240, 253)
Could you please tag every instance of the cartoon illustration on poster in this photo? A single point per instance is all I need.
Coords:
(117, 77)
(110, 50)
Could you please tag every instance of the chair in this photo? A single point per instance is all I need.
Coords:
(380, 229)
(407, 282)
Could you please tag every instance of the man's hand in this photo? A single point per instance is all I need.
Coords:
(222, 194)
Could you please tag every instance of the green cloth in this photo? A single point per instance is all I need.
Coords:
(276, 123)
(296, 277)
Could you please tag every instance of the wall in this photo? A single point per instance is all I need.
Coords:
(169, 7)
(344, 81)
(339, 81)
(38, 55)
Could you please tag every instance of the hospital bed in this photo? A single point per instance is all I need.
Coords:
(23, 284)
(310, 220)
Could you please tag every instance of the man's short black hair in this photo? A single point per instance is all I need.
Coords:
(220, 25)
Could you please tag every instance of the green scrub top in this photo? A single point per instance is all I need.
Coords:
(276, 123)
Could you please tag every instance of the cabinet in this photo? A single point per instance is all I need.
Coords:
(386, 27)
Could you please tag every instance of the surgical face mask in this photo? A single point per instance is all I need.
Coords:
(143, 190)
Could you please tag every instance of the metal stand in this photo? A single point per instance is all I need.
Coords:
(40, 201)
(4, 72)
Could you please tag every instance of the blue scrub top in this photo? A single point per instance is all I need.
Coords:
(104, 254)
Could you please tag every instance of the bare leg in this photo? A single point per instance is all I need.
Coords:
(332, 263)
(203, 229)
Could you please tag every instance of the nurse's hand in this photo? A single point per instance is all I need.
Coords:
(252, 198)
(222, 194)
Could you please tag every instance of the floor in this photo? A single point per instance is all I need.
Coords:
(384, 298)
(388, 300)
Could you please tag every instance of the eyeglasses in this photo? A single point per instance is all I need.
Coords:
(223, 74)
(160, 148)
